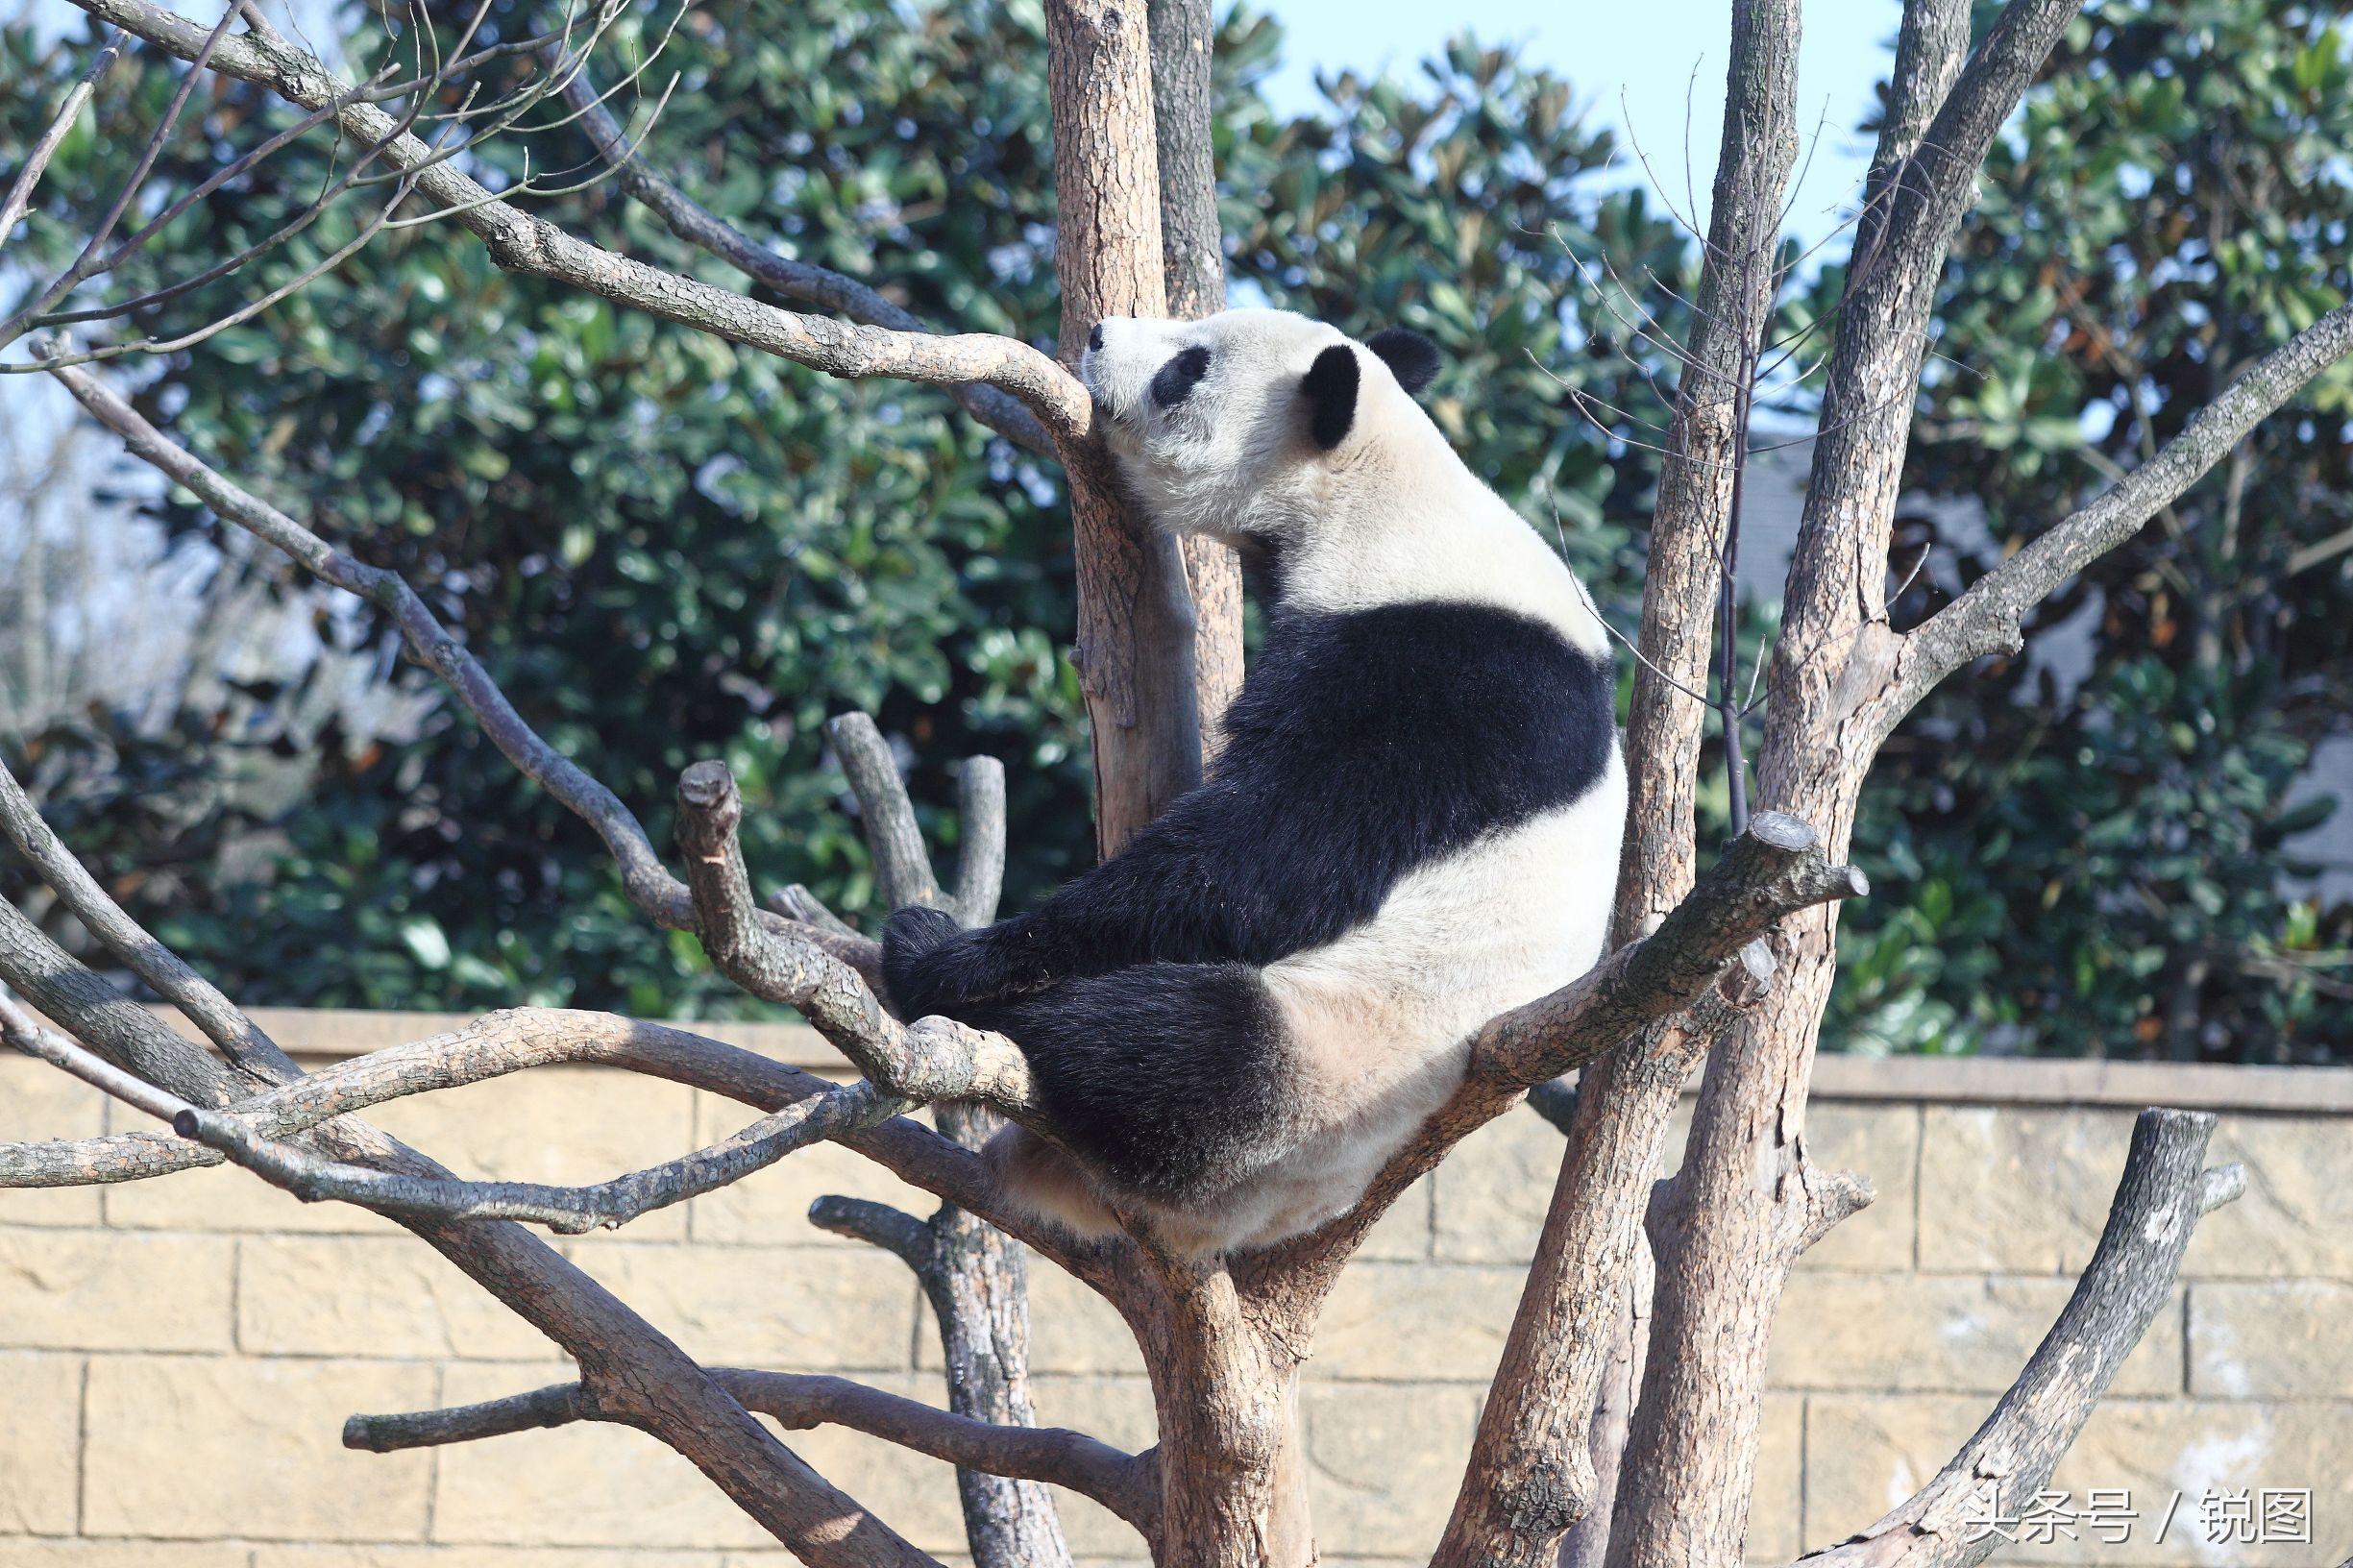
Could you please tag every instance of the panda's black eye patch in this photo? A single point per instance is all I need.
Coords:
(1177, 379)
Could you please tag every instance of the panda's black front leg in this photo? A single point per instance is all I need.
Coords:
(933, 965)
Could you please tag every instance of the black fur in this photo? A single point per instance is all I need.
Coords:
(1412, 357)
(1162, 1075)
(1331, 388)
(1361, 747)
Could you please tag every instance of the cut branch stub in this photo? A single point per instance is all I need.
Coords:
(980, 860)
(935, 1059)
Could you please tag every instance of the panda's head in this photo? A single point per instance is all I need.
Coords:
(1241, 422)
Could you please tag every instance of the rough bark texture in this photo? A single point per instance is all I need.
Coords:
(1703, 443)
(973, 1274)
(1135, 648)
(1749, 1198)
(1193, 246)
(1531, 1477)
(1225, 1387)
(1587, 1542)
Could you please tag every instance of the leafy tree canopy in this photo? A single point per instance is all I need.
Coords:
(665, 548)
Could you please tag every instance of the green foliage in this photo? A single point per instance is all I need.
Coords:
(664, 548)
(2095, 870)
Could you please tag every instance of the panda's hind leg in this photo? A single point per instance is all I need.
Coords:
(1045, 1180)
(1164, 1079)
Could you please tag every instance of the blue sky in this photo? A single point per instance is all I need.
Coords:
(1633, 64)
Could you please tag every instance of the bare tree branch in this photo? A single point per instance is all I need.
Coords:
(646, 881)
(20, 198)
(935, 1059)
(1990, 617)
(903, 865)
(980, 851)
(642, 1377)
(1743, 1205)
(489, 1047)
(696, 224)
(524, 243)
(2158, 1202)
(1930, 45)
(1694, 512)
(203, 43)
(895, 1230)
(973, 1275)
(801, 1400)
(569, 1210)
(222, 1021)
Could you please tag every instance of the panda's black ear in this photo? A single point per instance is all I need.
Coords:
(1330, 389)
(1412, 357)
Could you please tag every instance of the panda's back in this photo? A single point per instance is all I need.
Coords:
(1407, 746)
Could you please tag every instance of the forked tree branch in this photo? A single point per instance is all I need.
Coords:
(1746, 1200)
(2164, 1192)
(974, 1276)
(222, 1021)
(642, 1377)
(937, 1059)
(522, 243)
(799, 1402)
(569, 1210)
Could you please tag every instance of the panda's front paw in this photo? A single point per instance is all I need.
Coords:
(913, 941)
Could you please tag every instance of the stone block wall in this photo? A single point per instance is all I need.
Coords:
(177, 1357)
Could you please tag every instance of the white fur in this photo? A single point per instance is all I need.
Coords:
(1378, 1021)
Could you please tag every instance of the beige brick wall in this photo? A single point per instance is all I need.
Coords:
(175, 1357)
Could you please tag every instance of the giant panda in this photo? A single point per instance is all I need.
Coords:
(1412, 826)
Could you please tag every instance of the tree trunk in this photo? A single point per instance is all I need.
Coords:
(1587, 1542)
(978, 1287)
(1749, 1199)
(1135, 648)
(1184, 35)
(1225, 1386)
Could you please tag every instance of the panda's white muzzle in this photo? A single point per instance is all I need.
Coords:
(1122, 354)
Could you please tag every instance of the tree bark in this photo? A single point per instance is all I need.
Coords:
(1750, 1198)
(1531, 1476)
(1192, 244)
(1587, 1542)
(2159, 1200)
(1136, 632)
(1225, 1377)
(977, 1281)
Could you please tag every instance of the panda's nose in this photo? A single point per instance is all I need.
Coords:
(1095, 337)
